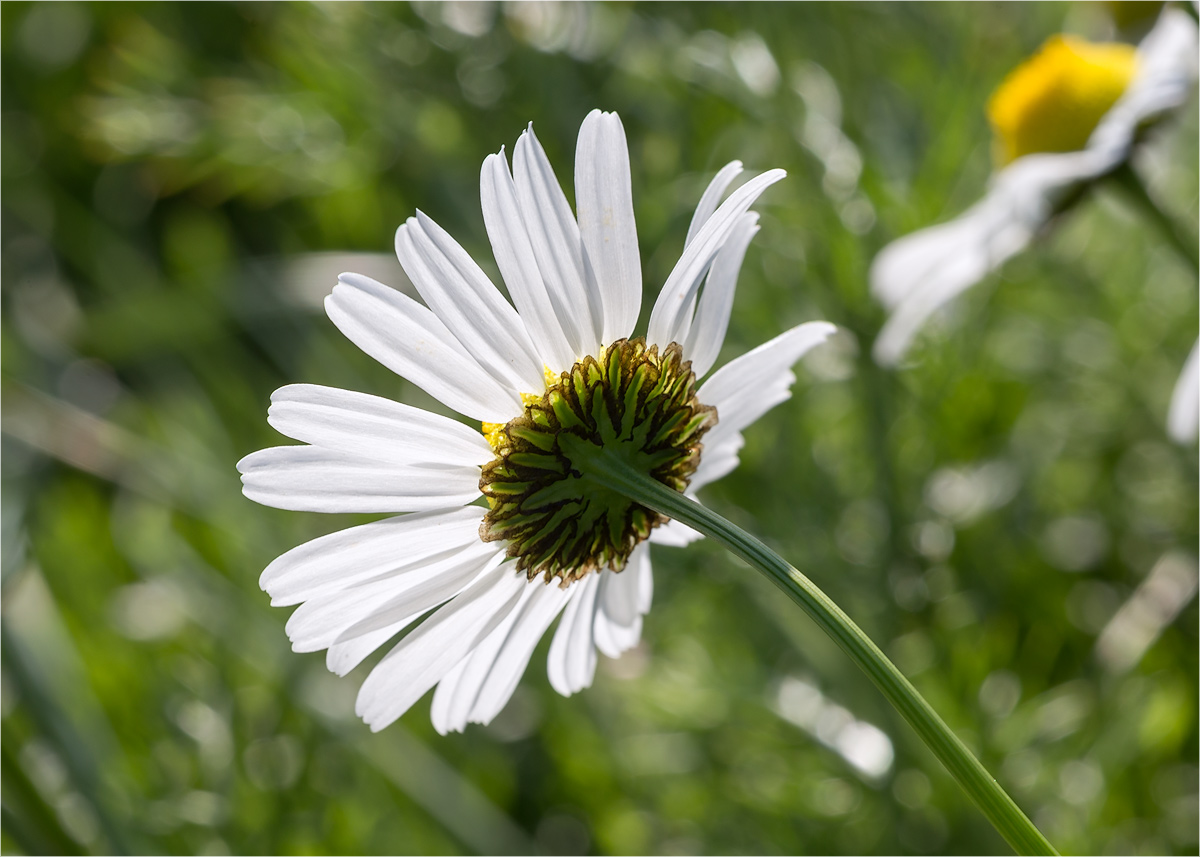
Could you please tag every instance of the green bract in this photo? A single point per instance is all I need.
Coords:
(633, 402)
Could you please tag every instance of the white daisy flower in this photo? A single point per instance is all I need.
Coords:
(560, 364)
(1068, 117)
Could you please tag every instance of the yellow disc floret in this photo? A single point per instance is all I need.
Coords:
(494, 432)
(1053, 101)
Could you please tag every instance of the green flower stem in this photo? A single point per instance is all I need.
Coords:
(606, 469)
(1183, 240)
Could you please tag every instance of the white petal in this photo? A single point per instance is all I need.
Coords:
(720, 455)
(426, 655)
(372, 427)
(669, 321)
(465, 300)
(645, 587)
(461, 689)
(707, 331)
(572, 661)
(439, 709)
(1166, 69)
(342, 657)
(712, 198)
(393, 600)
(410, 340)
(1184, 417)
(618, 622)
(614, 640)
(674, 534)
(746, 388)
(557, 246)
(619, 591)
(546, 602)
(518, 265)
(395, 609)
(350, 649)
(921, 272)
(311, 479)
(350, 556)
(704, 210)
(956, 251)
(604, 206)
(952, 256)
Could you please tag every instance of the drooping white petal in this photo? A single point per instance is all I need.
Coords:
(410, 340)
(546, 602)
(465, 300)
(604, 207)
(618, 622)
(426, 655)
(707, 330)
(619, 591)
(1183, 420)
(746, 388)
(919, 273)
(931, 255)
(675, 534)
(712, 198)
(443, 695)
(720, 456)
(350, 556)
(312, 479)
(342, 657)
(352, 647)
(557, 246)
(372, 427)
(395, 606)
(669, 321)
(518, 265)
(456, 695)
(614, 640)
(392, 600)
(572, 661)
(646, 589)
(1166, 70)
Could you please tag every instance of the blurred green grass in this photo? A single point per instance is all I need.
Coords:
(169, 172)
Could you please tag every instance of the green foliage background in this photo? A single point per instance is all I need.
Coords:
(169, 172)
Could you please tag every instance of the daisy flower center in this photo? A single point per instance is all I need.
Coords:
(633, 401)
(1054, 101)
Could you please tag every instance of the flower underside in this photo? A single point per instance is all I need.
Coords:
(632, 402)
(1054, 101)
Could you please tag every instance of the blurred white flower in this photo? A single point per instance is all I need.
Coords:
(1042, 113)
(555, 372)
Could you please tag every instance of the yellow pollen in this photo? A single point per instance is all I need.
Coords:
(1054, 100)
(493, 433)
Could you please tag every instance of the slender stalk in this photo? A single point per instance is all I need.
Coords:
(1183, 240)
(604, 468)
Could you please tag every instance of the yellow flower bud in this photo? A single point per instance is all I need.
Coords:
(1053, 101)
